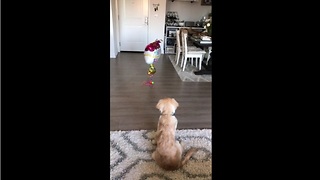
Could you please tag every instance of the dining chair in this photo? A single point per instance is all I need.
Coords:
(209, 55)
(190, 53)
(178, 50)
(179, 46)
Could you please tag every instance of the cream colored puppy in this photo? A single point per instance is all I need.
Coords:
(168, 154)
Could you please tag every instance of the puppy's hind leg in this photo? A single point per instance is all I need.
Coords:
(183, 144)
(153, 141)
(180, 147)
(156, 137)
(154, 155)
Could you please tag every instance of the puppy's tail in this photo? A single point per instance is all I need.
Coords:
(188, 156)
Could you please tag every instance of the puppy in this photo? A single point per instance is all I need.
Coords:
(168, 154)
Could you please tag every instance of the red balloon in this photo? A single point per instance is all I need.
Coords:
(153, 46)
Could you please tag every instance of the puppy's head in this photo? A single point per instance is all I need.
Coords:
(167, 105)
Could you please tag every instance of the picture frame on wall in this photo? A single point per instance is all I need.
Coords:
(206, 2)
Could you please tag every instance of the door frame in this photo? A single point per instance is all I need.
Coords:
(115, 9)
(117, 23)
(114, 29)
(116, 19)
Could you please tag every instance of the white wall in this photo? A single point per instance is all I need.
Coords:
(157, 22)
(116, 23)
(188, 11)
(112, 39)
(114, 29)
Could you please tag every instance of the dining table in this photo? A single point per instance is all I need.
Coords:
(205, 44)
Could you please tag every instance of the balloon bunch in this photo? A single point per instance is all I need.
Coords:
(152, 55)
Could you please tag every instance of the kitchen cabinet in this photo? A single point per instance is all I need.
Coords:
(170, 38)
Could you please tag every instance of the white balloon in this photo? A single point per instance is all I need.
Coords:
(149, 57)
(158, 52)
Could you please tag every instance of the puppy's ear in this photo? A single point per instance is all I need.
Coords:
(175, 103)
(160, 105)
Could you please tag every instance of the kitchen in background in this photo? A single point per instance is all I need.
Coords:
(183, 13)
(188, 10)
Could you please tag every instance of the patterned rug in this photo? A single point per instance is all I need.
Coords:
(187, 75)
(131, 156)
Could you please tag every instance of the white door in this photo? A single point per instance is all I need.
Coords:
(133, 18)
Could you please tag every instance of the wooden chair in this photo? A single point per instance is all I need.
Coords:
(190, 53)
(178, 50)
(209, 55)
(179, 47)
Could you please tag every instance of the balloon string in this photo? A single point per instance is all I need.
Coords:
(149, 82)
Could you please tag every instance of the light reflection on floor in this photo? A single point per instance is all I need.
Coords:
(187, 75)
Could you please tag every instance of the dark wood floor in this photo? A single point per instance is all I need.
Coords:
(132, 104)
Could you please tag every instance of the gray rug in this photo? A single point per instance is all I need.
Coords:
(131, 159)
(187, 75)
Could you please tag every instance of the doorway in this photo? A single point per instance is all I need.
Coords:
(133, 25)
